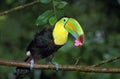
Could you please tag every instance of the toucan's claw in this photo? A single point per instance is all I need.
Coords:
(32, 64)
(56, 65)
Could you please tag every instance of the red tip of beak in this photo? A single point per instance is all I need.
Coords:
(80, 41)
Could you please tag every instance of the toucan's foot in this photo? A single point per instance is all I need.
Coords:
(49, 61)
(32, 64)
(56, 65)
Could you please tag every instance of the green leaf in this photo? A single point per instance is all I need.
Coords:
(43, 18)
(52, 20)
(61, 4)
(45, 1)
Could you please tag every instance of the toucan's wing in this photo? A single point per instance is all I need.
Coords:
(42, 39)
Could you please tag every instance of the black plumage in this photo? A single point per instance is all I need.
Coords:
(42, 46)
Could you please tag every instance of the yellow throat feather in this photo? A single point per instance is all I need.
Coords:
(60, 34)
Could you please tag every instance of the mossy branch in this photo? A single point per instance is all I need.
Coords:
(106, 61)
(19, 7)
(62, 67)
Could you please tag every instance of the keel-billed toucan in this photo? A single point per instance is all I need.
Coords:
(49, 40)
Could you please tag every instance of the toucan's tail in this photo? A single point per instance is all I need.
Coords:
(22, 70)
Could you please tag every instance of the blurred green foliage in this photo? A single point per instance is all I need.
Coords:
(99, 19)
(43, 18)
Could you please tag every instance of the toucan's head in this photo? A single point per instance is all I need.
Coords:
(68, 25)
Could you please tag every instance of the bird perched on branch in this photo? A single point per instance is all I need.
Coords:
(46, 43)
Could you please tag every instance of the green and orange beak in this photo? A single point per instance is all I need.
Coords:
(74, 28)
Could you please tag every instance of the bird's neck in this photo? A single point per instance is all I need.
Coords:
(60, 34)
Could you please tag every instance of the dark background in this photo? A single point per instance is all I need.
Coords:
(100, 20)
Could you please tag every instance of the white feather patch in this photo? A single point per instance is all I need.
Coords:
(28, 53)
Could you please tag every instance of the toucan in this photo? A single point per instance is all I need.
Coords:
(46, 42)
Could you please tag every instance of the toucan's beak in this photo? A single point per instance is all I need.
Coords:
(74, 28)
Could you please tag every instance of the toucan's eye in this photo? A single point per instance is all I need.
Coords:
(65, 20)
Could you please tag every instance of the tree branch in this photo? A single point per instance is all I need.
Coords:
(62, 67)
(19, 7)
(106, 61)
